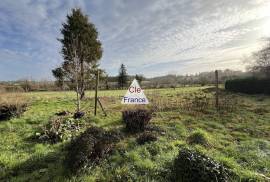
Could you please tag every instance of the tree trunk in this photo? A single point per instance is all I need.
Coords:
(82, 94)
(78, 98)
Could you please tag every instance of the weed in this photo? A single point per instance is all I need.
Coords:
(199, 137)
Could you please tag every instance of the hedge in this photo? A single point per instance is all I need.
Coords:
(249, 85)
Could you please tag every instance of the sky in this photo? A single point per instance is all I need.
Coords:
(153, 37)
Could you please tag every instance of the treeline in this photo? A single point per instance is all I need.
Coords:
(112, 82)
(250, 85)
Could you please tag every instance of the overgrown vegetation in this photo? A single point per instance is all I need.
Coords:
(137, 119)
(146, 137)
(237, 140)
(190, 166)
(199, 137)
(11, 106)
(90, 147)
(59, 129)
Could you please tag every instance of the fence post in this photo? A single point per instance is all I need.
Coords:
(217, 94)
(96, 90)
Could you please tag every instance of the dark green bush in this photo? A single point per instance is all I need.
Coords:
(249, 85)
(89, 148)
(146, 137)
(190, 166)
(136, 120)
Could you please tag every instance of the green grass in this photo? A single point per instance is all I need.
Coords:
(239, 139)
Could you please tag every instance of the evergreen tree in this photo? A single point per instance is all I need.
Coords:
(122, 77)
(139, 78)
(81, 51)
(59, 76)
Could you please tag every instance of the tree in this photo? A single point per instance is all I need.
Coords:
(262, 61)
(122, 77)
(80, 41)
(81, 51)
(139, 78)
(58, 74)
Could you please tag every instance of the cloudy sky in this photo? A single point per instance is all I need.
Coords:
(153, 37)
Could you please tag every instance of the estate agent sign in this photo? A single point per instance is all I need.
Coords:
(134, 94)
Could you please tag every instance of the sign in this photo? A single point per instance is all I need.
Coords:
(134, 94)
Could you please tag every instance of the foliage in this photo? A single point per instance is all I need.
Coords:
(137, 119)
(139, 78)
(81, 50)
(249, 85)
(146, 137)
(122, 77)
(58, 74)
(89, 148)
(193, 166)
(241, 138)
(59, 129)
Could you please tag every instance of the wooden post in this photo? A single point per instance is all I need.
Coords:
(102, 107)
(217, 94)
(96, 90)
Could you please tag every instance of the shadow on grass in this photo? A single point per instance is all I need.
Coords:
(48, 167)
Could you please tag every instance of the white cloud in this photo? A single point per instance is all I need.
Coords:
(144, 35)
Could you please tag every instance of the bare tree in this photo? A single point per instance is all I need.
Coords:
(262, 61)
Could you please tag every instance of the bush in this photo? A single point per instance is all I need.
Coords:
(59, 129)
(146, 137)
(78, 115)
(89, 148)
(199, 137)
(136, 120)
(249, 85)
(190, 166)
(11, 110)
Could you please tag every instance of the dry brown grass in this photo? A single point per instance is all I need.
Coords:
(12, 104)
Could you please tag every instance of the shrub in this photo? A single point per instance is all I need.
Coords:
(146, 137)
(249, 85)
(199, 137)
(11, 110)
(190, 166)
(136, 120)
(59, 129)
(89, 148)
(78, 115)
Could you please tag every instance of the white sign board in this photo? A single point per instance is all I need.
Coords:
(134, 94)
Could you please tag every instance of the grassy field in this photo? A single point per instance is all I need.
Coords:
(238, 136)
